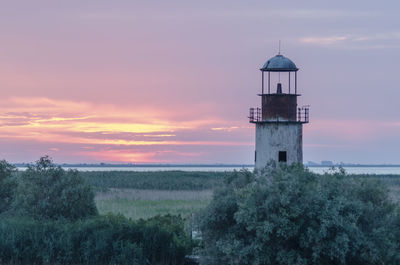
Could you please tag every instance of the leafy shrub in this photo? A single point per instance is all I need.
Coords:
(289, 215)
(7, 185)
(99, 240)
(47, 191)
(175, 225)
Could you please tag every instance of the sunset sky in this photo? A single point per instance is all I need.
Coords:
(172, 81)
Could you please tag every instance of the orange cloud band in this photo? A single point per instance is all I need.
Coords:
(60, 121)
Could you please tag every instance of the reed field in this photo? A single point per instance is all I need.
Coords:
(154, 180)
(136, 204)
(146, 194)
(143, 195)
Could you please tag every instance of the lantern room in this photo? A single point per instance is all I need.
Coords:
(279, 93)
(279, 70)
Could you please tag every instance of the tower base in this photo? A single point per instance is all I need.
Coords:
(278, 141)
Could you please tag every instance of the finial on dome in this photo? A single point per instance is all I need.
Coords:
(279, 52)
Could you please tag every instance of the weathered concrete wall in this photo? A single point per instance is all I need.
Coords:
(274, 137)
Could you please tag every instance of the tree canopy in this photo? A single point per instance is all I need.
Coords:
(8, 185)
(289, 215)
(47, 191)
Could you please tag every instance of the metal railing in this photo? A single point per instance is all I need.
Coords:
(255, 115)
(303, 115)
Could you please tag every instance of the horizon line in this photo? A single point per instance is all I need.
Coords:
(101, 164)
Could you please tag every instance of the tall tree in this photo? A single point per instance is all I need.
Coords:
(289, 215)
(8, 185)
(48, 191)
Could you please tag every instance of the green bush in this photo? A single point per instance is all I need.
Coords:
(8, 185)
(47, 191)
(175, 225)
(99, 240)
(289, 215)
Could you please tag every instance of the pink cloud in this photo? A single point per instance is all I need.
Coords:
(94, 127)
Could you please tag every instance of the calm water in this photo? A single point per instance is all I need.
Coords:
(351, 170)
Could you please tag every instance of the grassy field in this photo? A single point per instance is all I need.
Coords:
(136, 204)
(146, 194)
(154, 180)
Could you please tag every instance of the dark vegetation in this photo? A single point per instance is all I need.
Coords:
(47, 191)
(389, 179)
(48, 216)
(181, 180)
(155, 180)
(289, 215)
(8, 184)
(98, 240)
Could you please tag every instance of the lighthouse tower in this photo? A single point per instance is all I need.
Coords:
(279, 121)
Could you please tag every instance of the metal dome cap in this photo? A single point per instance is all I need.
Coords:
(279, 63)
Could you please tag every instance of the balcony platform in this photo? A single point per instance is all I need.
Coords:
(303, 115)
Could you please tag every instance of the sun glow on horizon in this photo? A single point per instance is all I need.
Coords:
(107, 129)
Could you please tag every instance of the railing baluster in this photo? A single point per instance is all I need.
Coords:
(303, 115)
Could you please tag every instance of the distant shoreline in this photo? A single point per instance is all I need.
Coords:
(202, 165)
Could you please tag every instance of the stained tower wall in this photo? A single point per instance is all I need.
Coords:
(272, 138)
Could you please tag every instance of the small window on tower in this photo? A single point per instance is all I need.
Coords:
(282, 156)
